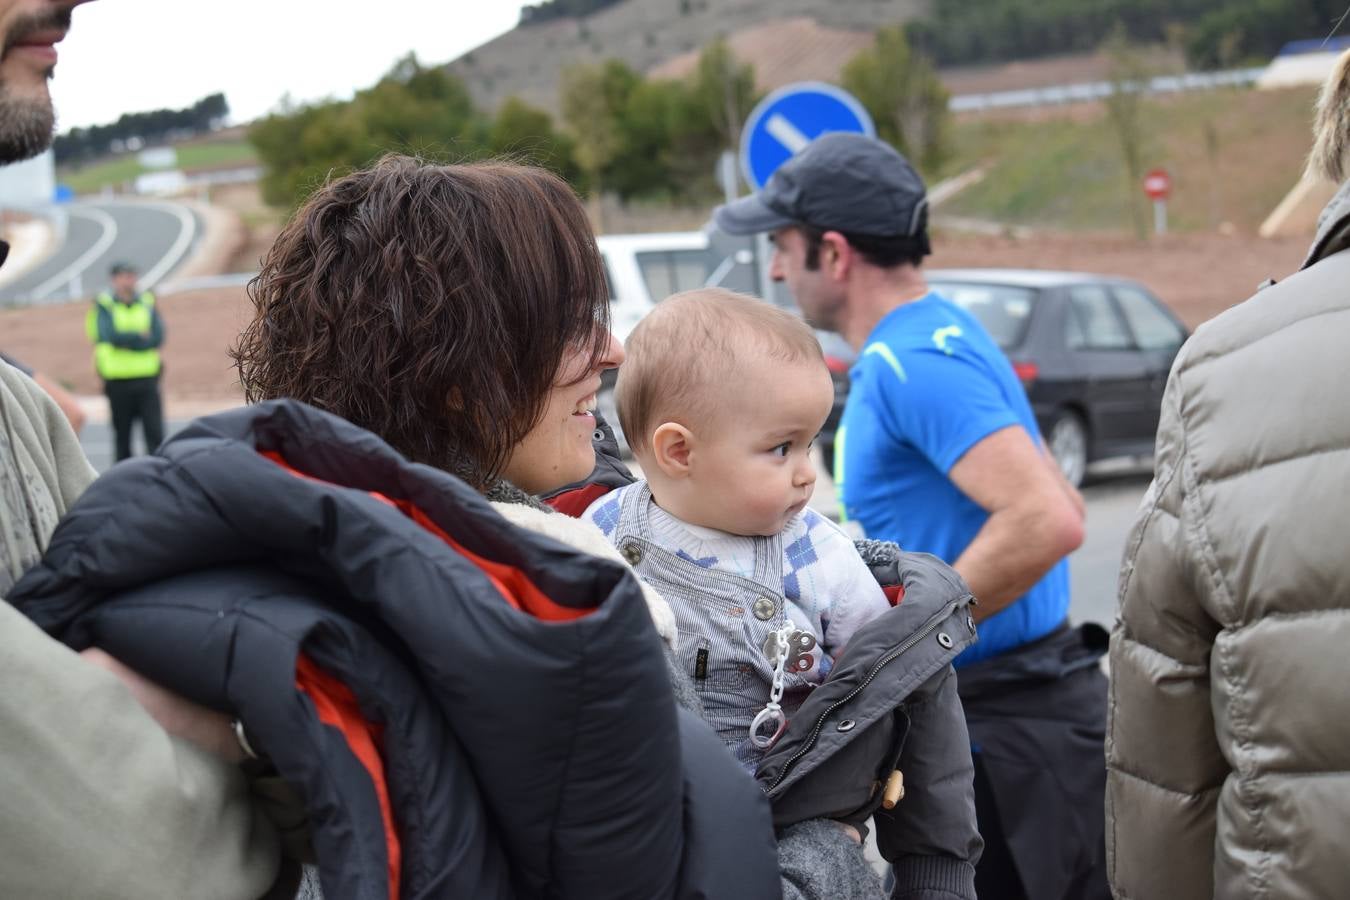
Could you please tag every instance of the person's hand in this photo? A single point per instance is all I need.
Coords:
(204, 727)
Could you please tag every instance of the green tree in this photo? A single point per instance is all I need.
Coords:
(294, 144)
(656, 138)
(525, 132)
(723, 92)
(647, 160)
(412, 109)
(1129, 77)
(593, 102)
(418, 110)
(901, 91)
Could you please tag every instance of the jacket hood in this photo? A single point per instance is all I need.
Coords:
(1333, 228)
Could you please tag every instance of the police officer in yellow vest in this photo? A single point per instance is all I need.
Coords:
(127, 332)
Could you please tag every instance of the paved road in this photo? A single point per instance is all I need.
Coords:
(153, 236)
(1112, 504)
(97, 440)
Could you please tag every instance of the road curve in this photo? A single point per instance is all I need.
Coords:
(154, 236)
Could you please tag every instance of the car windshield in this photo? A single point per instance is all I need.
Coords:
(1002, 309)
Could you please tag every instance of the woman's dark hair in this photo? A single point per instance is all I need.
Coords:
(432, 305)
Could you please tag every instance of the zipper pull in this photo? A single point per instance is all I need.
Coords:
(895, 790)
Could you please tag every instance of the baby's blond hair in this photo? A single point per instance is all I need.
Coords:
(684, 356)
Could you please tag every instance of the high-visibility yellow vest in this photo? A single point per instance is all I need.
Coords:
(117, 363)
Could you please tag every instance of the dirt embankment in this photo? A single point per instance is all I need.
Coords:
(200, 327)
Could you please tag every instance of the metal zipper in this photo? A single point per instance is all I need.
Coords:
(933, 622)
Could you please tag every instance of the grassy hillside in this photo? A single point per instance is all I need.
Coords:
(114, 172)
(1062, 168)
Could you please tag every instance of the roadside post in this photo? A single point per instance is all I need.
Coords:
(1158, 186)
(780, 127)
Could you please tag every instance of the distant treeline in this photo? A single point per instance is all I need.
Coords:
(1213, 33)
(83, 144)
(561, 9)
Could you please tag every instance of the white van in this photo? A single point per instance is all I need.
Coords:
(643, 269)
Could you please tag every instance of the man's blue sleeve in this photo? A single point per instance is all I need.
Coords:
(945, 404)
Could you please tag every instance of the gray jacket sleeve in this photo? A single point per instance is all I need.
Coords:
(932, 833)
(1164, 766)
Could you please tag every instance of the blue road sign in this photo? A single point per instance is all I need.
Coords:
(790, 118)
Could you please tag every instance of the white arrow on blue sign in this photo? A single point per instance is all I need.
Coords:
(790, 118)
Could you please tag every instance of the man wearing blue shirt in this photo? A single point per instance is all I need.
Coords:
(939, 451)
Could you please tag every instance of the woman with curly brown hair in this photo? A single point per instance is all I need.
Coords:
(471, 698)
(459, 312)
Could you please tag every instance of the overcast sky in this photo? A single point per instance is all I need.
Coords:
(136, 55)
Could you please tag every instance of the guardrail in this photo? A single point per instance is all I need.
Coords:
(1058, 95)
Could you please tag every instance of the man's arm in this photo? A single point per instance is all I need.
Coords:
(88, 775)
(74, 413)
(107, 334)
(1075, 496)
(1033, 523)
(68, 404)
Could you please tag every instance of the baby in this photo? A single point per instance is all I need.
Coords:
(720, 399)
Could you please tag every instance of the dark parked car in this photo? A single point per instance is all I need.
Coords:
(1092, 351)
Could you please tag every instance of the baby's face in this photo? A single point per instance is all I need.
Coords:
(752, 468)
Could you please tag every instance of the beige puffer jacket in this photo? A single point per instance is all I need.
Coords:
(1229, 738)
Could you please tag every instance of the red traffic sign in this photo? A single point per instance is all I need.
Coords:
(1158, 184)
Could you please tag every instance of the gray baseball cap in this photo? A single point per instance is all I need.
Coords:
(840, 182)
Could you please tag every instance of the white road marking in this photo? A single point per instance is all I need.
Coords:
(86, 259)
(186, 233)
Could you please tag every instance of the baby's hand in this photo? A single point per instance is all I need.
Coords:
(849, 830)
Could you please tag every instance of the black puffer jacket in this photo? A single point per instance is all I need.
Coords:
(468, 709)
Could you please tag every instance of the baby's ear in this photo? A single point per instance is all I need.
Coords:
(672, 446)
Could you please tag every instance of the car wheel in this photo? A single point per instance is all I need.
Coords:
(1068, 443)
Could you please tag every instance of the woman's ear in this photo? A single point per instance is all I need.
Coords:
(672, 449)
